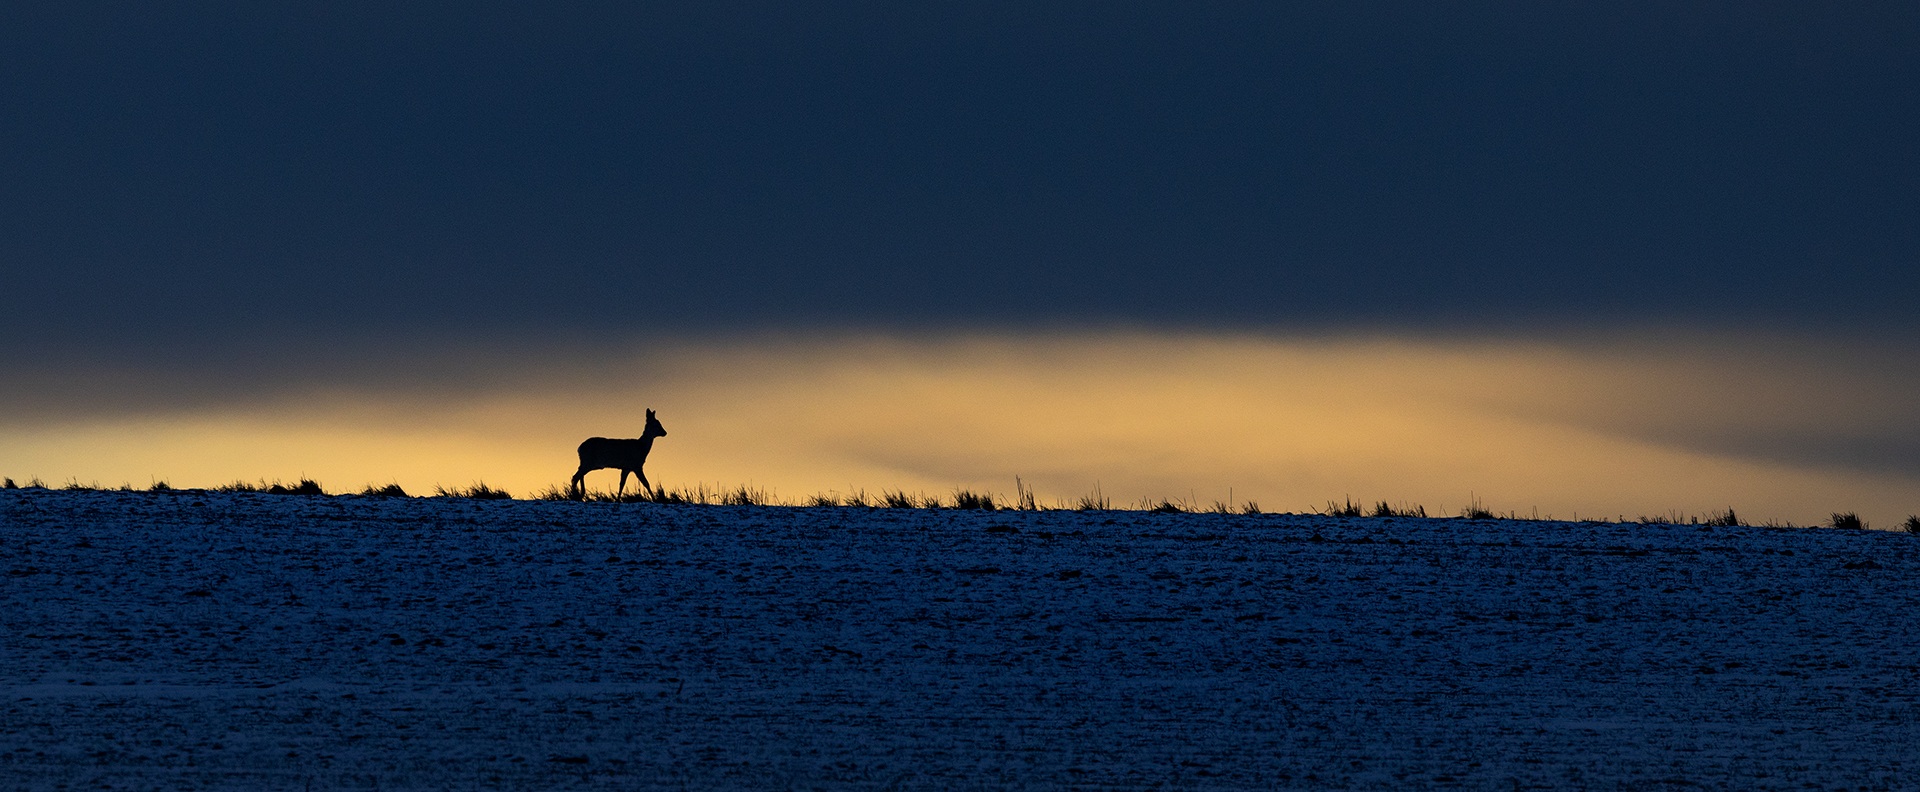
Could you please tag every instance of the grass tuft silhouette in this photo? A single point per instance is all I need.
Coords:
(1346, 509)
(479, 491)
(1023, 499)
(1094, 501)
(1476, 510)
(746, 495)
(1727, 520)
(305, 486)
(968, 499)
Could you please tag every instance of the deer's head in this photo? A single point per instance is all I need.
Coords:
(654, 429)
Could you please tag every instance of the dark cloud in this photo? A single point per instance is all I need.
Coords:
(206, 176)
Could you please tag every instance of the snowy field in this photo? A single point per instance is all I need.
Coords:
(194, 640)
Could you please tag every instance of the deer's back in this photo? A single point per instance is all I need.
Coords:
(611, 452)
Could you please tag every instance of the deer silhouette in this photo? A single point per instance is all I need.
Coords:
(625, 455)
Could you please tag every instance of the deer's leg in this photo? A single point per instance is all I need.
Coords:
(623, 481)
(645, 486)
(580, 482)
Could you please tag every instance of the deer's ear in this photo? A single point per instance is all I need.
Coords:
(649, 413)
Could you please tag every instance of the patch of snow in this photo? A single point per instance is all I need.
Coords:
(249, 641)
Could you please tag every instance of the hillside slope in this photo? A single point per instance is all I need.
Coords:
(228, 641)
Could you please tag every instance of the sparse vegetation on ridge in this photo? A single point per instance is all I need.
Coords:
(696, 495)
(305, 486)
(747, 495)
(1727, 520)
(968, 499)
(1384, 509)
(1094, 501)
(1024, 499)
(479, 491)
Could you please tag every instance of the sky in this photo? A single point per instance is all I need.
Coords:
(1615, 257)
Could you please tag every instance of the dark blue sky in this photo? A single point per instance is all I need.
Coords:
(184, 177)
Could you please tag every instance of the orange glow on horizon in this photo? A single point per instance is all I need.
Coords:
(1591, 432)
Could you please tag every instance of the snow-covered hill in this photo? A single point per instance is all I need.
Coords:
(194, 640)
